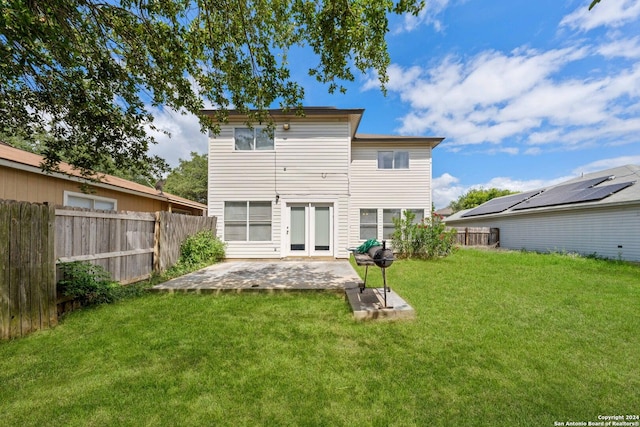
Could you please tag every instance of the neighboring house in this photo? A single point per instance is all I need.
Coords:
(444, 212)
(312, 187)
(22, 179)
(598, 213)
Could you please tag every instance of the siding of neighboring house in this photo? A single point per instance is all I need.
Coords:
(309, 164)
(22, 179)
(25, 186)
(607, 231)
(373, 188)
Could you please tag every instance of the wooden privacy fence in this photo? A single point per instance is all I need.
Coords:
(27, 276)
(478, 236)
(171, 230)
(129, 245)
(122, 243)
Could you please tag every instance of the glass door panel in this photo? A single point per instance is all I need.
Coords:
(322, 236)
(298, 228)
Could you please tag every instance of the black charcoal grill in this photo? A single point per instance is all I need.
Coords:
(379, 256)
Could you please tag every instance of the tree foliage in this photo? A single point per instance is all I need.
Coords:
(476, 197)
(88, 72)
(189, 179)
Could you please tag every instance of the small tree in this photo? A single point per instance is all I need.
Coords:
(189, 179)
(425, 240)
(476, 197)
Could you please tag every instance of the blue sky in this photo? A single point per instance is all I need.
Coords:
(526, 93)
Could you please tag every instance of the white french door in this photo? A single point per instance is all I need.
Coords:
(310, 229)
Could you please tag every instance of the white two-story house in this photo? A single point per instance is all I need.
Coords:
(313, 187)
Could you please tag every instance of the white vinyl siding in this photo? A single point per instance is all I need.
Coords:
(309, 163)
(604, 231)
(372, 187)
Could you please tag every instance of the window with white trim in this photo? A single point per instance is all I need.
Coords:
(368, 224)
(252, 139)
(247, 221)
(88, 201)
(393, 160)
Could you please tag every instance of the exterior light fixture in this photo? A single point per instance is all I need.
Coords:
(285, 126)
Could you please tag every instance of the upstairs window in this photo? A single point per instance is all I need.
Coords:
(393, 160)
(252, 139)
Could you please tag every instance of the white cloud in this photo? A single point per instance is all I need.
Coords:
(626, 48)
(607, 164)
(445, 189)
(185, 136)
(524, 95)
(429, 15)
(607, 13)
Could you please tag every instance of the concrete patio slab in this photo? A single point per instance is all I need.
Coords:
(293, 275)
(334, 275)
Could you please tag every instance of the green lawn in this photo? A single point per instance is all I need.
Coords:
(500, 339)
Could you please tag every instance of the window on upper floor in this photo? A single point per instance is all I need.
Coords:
(87, 201)
(252, 139)
(247, 221)
(393, 160)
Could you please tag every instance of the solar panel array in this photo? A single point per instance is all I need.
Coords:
(560, 196)
(576, 192)
(501, 204)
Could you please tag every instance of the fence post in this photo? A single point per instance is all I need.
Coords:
(156, 244)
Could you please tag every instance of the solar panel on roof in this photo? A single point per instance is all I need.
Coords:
(559, 196)
(500, 204)
(582, 184)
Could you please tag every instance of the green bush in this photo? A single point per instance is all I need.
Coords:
(426, 239)
(201, 248)
(88, 283)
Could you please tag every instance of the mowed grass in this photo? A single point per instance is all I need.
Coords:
(500, 339)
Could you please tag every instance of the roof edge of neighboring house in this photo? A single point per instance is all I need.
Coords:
(30, 162)
(550, 209)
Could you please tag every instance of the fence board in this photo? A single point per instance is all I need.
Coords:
(14, 271)
(49, 267)
(26, 260)
(5, 282)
